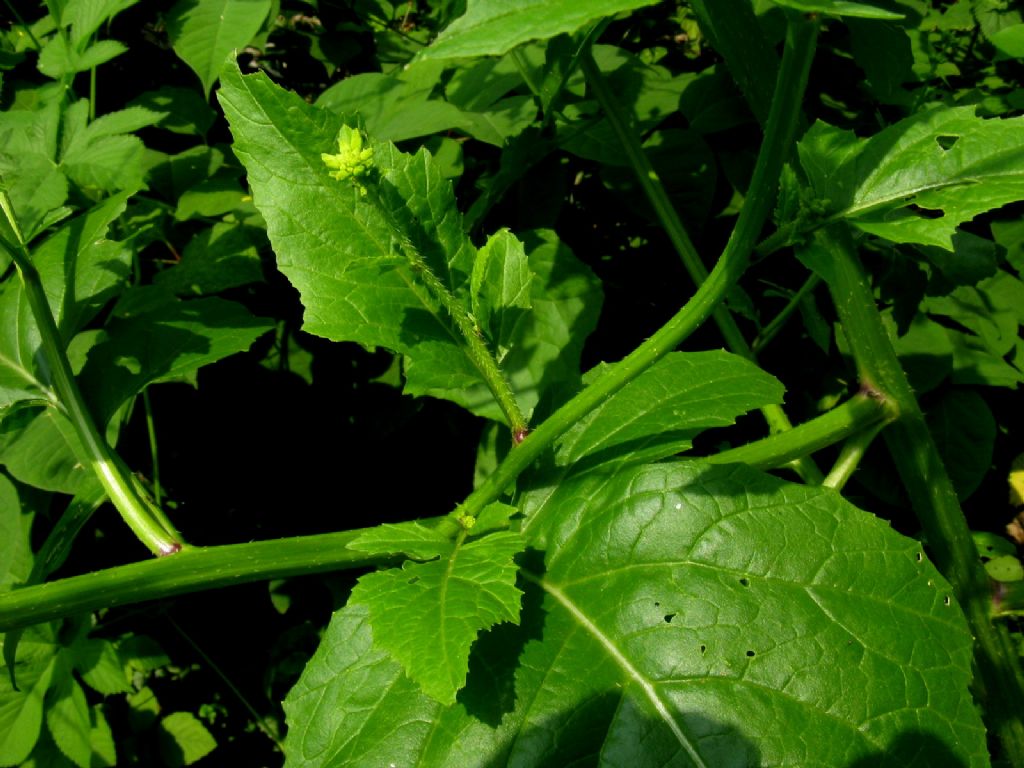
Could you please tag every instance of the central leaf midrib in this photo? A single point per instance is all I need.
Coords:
(647, 686)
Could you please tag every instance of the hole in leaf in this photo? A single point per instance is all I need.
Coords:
(669, 617)
(703, 649)
(925, 213)
(750, 654)
(744, 582)
(946, 601)
(657, 604)
(947, 142)
(920, 557)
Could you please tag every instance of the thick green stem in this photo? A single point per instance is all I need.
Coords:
(148, 522)
(800, 39)
(191, 569)
(999, 682)
(859, 413)
(655, 192)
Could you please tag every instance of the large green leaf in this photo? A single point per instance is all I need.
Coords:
(918, 180)
(204, 32)
(683, 614)
(492, 27)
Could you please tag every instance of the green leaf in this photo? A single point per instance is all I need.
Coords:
(492, 27)
(402, 105)
(543, 357)
(965, 431)
(839, 8)
(918, 180)
(104, 154)
(67, 717)
(500, 288)
(683, 614)
(10, 527)
(427, 614)
(57, 60)
(44, 451)
(184, 739)
(658, 413)
(184, 110)
(96, 660)
(204, 32)
(169, 343)
(80, 271)
(21, 711)
(1009, 41)
(85, 17)
(223, 256)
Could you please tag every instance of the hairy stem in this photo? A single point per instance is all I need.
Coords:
(999, 682)
(655, 192)
(191, 569)
(473, 344)
(860, 413)
(142, 516)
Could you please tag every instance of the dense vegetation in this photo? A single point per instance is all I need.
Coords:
(446, 359)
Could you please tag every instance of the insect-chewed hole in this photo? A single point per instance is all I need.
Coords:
(751, 654)
(703, 649)
(925, 213)
(946, 601)
(744, 582)
(920, 557)
(946, 142)
(669, 617)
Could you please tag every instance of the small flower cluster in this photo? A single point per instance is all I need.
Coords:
(353, 161)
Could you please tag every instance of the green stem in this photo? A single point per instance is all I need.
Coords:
(769, 331)
(860, 413)
(148, 522)
(191, 569)
(850, 457)
(800, 39)
(999, 682)
(655, 192)
(473, 344)
(153, 455)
